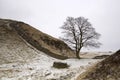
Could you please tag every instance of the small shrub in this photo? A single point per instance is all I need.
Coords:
(30, 68)
(60, 65)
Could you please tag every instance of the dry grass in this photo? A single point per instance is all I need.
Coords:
(88, 70)
(60, 65)
(108, 69)
(39, 40)
(43, 42)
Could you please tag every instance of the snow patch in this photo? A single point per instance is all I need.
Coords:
(40, 68)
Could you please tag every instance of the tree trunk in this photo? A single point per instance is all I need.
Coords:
(77, 55)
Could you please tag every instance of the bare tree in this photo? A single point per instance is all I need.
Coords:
(79, 33)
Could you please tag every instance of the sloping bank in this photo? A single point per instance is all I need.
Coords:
(108, 69)
(39, 40)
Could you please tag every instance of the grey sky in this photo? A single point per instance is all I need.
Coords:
(49, 15)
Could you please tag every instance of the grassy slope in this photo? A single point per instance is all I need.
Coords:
(43, 42)
(12, 47)
(108, 69)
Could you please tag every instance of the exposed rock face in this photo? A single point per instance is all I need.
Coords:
(108, 69)
(16, 37)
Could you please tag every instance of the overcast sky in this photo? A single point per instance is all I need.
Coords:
(49, 15)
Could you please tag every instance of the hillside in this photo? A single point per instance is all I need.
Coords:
(17, 40)
(29, 54)
(108, 69)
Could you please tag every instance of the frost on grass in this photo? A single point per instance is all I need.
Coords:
(40, 68)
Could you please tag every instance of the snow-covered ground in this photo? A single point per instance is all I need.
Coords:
(21, 61)
(40, 68)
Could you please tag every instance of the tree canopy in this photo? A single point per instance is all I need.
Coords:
(79, 33)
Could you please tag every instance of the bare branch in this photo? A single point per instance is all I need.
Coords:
(80, 33)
